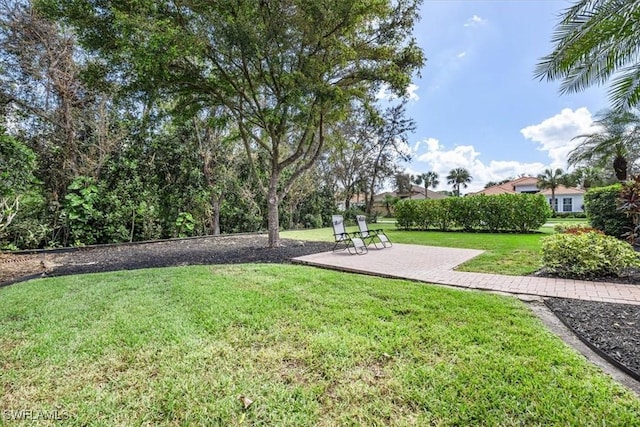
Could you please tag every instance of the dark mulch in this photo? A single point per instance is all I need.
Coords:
(614, 329)
(231, 249)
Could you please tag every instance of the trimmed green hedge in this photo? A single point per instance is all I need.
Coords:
(503, 212)
(601, 206)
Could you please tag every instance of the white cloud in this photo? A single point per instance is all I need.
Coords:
(475, 21)
(385, 94)
(462, 55)
(441, 161)
(555, 134)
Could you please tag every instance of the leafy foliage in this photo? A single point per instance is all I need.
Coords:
(568, 228)
(504, 212)
(629, 203)
(596, 40)
(81, 211)
(614, 145)
(17, 165)
(458, 177)
(587, 255)
(601, 206)
(282, 69)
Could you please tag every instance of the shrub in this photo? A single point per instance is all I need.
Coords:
(530, 213)
(601, 205)
(587, 255)
(407, 213)
(80, 207)
(629, 203)
(504, 212)
(574, 228)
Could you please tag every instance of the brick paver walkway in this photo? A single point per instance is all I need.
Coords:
(435, 265)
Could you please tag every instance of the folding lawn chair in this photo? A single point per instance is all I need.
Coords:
(377, 237)
(352, 242)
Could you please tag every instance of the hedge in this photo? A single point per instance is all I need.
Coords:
(503, 212)
(601, 206)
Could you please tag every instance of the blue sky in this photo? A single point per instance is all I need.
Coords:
(477, 104)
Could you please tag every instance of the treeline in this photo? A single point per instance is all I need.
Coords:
(120, 125)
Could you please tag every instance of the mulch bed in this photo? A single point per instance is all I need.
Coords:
(614, 329)
(228, 249)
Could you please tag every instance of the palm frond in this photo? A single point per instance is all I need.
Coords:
(595, 39)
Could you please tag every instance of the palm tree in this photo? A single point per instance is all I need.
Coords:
(457, 177)
(430, 179)
(618, 139)
(551, 179)
(587, 177)
(594, 41)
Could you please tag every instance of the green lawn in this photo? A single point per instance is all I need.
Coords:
(505, 253)
(177, 346)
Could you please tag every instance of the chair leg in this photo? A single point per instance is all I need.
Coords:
(358, 246)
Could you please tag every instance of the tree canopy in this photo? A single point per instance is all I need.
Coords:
(283, 69)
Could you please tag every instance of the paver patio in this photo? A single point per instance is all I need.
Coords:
(435, 265)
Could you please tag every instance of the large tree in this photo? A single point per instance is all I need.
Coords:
(615, 142)
(388, 147)
(458, 177)
(282, 68)
(67, 125)
(596, 40)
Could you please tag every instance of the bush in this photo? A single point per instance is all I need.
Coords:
(407, 214)
(601, 205)
(587, 255)
(505, 212)
(569, 215)
(574, 228)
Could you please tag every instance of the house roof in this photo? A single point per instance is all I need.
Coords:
(416, 193)
(510, 188)
(563, 191)
(496, 189)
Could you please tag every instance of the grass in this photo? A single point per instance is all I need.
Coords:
(177, 346)
(505, 253)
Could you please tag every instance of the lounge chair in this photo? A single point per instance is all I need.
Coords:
(352, 242)
(377, 237)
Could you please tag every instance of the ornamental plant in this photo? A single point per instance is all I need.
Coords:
(629, 203)
(588, 255)
(575, 229)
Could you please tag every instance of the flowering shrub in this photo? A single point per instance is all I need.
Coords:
(588, 255)
(575, 229)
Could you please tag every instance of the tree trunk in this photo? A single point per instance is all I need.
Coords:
(273, 218)
(620, 168)
(216, 203)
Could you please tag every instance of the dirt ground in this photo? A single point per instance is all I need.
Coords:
(614, 329)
